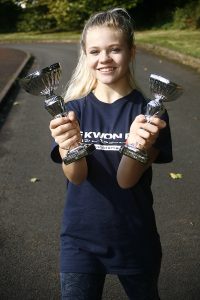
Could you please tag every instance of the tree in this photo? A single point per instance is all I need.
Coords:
(187, 16)
(63, 14)
(70, 15)
(156, 13)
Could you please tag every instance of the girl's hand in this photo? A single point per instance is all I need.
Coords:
(66, 131)
(143, 134)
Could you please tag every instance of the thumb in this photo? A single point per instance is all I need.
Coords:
(140, 119)
(72, 116)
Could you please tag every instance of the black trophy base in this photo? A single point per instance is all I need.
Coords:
(134, 153)
(78, 153)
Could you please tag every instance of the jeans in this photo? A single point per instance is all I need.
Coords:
(78, 286)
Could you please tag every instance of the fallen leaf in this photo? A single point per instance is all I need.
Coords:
(34, 179)
(176, 175)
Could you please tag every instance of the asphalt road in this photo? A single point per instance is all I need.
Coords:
(30, 213)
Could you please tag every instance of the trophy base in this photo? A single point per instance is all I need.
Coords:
(78, 153)
(134, 153)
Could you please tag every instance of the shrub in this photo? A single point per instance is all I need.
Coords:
(187, 17)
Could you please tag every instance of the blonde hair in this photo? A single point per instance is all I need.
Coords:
(82, 81)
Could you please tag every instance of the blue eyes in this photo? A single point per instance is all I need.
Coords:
(94, 52)
(112, 50)
(115, 50)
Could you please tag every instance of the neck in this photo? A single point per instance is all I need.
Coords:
(109, 93)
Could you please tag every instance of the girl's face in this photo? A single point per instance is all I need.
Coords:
(108, 55)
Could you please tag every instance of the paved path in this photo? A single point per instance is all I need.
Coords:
(30, 212)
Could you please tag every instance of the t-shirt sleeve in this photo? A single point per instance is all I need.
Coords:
(164, 143)
(55, 154)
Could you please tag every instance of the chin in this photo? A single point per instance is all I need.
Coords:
(108, 81)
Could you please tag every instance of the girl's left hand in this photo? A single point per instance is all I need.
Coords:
(143, 134)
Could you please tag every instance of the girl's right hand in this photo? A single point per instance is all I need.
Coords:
(66, 131)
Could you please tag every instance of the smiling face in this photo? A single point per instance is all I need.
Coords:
(108, 55)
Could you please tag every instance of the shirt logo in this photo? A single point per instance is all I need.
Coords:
(106, 141)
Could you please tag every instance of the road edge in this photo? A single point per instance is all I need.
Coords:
(172, 55)
(14, 76)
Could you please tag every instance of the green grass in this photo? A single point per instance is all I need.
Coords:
(40, 37)
(183, 41)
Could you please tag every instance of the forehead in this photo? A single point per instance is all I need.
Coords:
(99, 36)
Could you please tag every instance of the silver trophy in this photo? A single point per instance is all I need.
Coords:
(45, 82)
(163, 90)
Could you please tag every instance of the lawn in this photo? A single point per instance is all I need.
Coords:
(184, 41)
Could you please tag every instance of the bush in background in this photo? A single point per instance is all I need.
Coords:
(187, 17)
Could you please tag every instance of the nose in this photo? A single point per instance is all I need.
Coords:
(104, 57)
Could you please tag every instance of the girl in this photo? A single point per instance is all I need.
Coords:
(108, 222)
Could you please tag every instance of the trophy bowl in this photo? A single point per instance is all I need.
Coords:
(44, 82)
(163, 90)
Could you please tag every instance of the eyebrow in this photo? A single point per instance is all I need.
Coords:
(112, 45)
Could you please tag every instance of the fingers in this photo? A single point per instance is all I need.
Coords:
(66, 131)
(70, 117)
(144, 133)
(157, 121)
(63, 129)
(147, 129)
(140, 119)
(69, 143)
(152, 120)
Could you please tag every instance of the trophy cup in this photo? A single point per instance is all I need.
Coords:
(44, 82)
(163, 90)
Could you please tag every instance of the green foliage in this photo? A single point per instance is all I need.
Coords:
(45, 15)
(70, 15)
(36, 19)
(187, 16)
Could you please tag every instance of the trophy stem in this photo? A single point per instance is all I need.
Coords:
(55, 105)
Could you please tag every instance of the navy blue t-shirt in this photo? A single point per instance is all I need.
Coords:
(106, 228)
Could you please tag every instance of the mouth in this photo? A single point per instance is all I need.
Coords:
(106, 69)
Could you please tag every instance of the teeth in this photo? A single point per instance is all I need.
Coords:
(106, 69)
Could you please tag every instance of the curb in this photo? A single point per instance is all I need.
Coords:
(9, 84)
(172, 55)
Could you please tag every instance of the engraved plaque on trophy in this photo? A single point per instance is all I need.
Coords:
(163, 90)
(44, 82)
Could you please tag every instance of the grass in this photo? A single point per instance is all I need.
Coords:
(39, 37)
(184, 41)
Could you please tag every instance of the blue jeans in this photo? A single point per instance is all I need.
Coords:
(78, 286)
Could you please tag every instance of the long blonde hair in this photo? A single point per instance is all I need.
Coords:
(82, 81)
